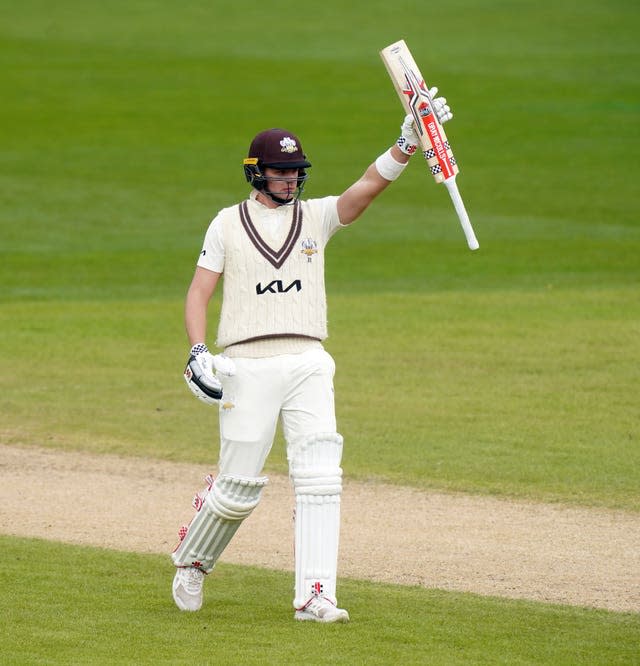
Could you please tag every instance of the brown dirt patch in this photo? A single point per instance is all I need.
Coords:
(522, 550)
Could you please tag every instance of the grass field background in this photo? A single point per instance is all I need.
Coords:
(121, 614)
(511, 371)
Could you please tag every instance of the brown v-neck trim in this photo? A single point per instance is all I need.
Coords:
(275, 257)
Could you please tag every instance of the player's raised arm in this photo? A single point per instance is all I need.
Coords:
(355, 199)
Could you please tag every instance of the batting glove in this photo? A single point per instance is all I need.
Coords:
(199, 373)
(408, 140)
(440, 107)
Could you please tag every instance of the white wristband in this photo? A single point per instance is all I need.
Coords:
(388, 167)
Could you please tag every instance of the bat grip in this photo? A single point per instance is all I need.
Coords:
(458, 204)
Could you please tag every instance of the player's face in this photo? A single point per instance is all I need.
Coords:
(282, 182)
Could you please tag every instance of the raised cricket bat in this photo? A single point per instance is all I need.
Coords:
(414, 95)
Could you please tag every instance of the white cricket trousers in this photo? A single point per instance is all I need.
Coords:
(298, 390)
(295, 388)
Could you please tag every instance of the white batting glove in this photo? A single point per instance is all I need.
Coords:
(440, 107)
(224, 365)
(199, 373)
(408, 139)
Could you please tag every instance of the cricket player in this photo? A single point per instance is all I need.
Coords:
(270, 249)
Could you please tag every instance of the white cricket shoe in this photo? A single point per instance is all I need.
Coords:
(187, 588)
(320, 609)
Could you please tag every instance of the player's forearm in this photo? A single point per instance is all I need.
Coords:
(196, 304)
(195, 323)
(195, 314)
(355, 200)
(195, 318)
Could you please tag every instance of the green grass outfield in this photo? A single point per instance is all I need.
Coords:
(87, 606)
(511, 371)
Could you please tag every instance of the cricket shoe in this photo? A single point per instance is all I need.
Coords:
(320, 609)
(187, 588)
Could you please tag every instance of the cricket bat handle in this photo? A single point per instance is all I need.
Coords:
(458, 204)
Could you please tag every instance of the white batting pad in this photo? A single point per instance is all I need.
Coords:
(314, 466)
(229, 501)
